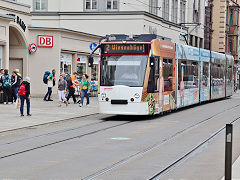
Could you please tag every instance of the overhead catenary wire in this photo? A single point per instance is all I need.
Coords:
(168, 13)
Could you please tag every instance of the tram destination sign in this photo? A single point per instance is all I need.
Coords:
(126, 49)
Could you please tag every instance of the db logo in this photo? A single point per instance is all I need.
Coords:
(45, 41)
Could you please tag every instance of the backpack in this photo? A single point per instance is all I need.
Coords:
(6, 81)
(68, 79)
(22, 90)
(45, 76)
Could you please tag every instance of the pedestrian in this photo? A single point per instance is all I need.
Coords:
(72, 83)
(24, 94)
(85, 89)
(62, 89)
(1, 85)
(6, 83)
(50, 83)
(17, 72)
(64, 75)
(15, 80)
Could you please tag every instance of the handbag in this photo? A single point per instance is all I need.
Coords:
(18, 103)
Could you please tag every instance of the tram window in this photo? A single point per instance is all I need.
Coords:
(217, 74)
(188, 73)
(229, 75)
(205, 74)
(168, 74)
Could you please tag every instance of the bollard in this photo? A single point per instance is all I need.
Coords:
(228, 152)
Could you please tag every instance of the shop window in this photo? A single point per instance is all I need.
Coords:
(81, 68)
(66, 68)
(40, 5)
(167, 74)
(91, 4)
(188, 73)
(66, 63)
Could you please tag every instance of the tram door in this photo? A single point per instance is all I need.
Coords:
(165, 51)
(168, 76)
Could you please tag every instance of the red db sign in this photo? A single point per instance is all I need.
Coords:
(45, 41)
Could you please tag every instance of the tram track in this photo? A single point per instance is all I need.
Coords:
(54, 142)
(189, 153)
(149, 149)
(100, 129)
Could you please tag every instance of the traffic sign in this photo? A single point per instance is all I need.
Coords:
(93, 46)
(32, 48)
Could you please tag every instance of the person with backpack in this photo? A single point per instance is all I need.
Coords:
(50, 81)
(85, 89)
(72, 82)
(6, 83)
(24, 94)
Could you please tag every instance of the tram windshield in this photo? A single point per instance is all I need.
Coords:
(128, 70)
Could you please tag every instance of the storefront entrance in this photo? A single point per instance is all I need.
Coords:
(18, 52)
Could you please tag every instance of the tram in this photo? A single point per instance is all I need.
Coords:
(146, 75)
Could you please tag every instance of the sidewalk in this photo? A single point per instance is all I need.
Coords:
(236, 170)
(43, 112)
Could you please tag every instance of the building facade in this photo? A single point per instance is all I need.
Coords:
(222, 28)
(169, 18)
(225, 26)
(61, 31)
(34, 50)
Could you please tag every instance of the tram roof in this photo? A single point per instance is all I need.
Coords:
(218, 56)
(187, 52)
(134, 38)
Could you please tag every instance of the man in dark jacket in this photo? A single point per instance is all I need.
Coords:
(15, 79)
(26, 97)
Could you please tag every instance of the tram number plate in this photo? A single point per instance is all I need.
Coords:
(119, 102)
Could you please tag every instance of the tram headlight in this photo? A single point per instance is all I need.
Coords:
(103, 95)
(136, 96)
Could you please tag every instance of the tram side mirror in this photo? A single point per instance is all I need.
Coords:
(90, 61)
(152, 61)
